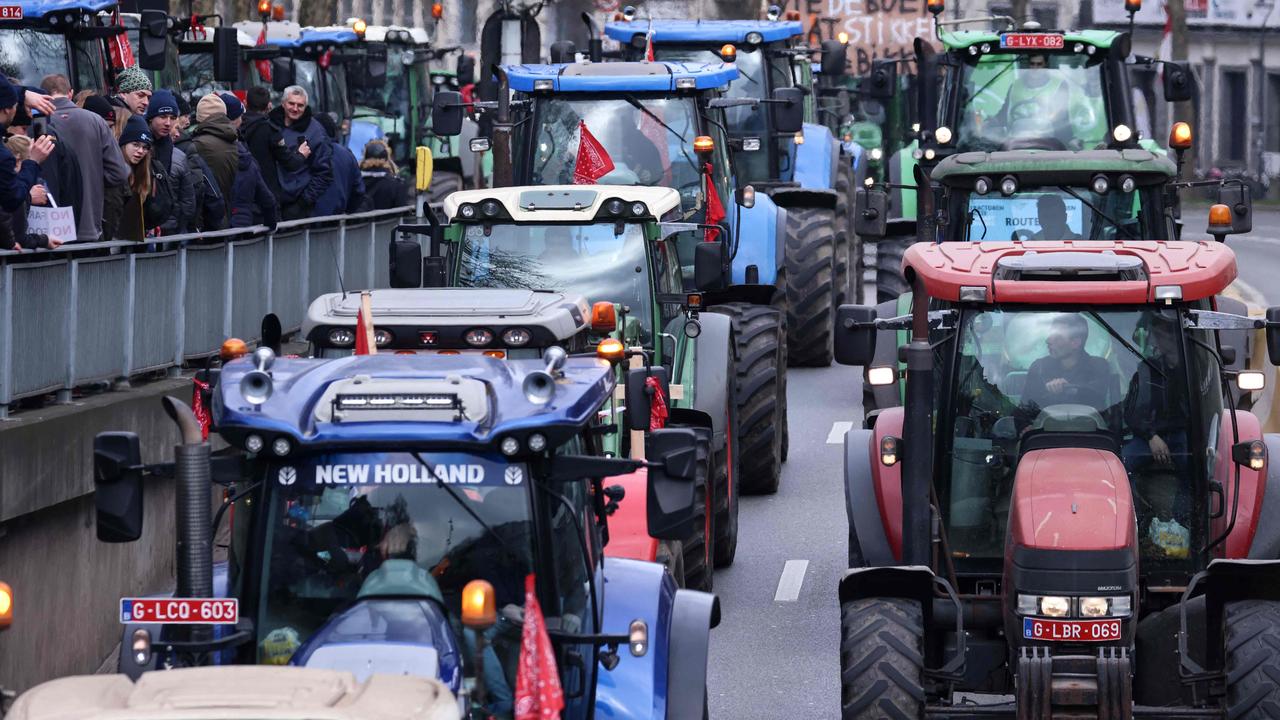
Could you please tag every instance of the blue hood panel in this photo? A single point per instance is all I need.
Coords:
(710, 31)
(620, 77)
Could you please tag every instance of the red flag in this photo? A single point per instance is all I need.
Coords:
(593, 162)
(715, 210)
(658, 406)
(118, 45)
(365, 344)
(648, 46)
(264, 66)
(538, 692)
(198, 407)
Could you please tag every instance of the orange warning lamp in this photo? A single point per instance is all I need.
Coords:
(264, 8)
(1180, 136)
(6, 606)
(479, 609)
(604, 317)
(611, 349)
(360, 26)
(703, 144)
(842, 37)
(277, 12)
(1132, 6)
(936, 6)
(233, 348)
(728, 52)
(498, 354)
(1219, 220)
(437, 10)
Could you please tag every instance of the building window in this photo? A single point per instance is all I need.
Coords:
(1273, 112)
(1233, 128)
(1046, 15)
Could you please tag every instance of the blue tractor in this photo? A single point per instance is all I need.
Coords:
(662, 124)
(384, 513)
(313, 59)
(802, 169)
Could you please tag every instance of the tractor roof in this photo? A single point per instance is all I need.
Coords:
(1071, 271)
(1055, 166)
(708, 31)
(284, 693)
(621, 76)
(398, 33)
(962, 39)
(36, 9)
(459, 309)
(281, 33)
(565, 203)
(462, 401)
(332, 34)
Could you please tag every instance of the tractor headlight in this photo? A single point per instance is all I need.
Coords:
(516, 337)
(1097, 607)
(1046, 605)
(478, 337)
(341, 337)
(876, 153)
(382, 338)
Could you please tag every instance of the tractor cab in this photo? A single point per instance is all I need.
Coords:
(390, 89)
(72, 38)
(207, 63)
(403, 514)
(1082, 477)
(311, 58)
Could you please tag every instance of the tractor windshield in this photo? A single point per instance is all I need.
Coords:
(587, 259)
(1061, 213)
(1032, 101)
(27, 55)
(1114, 378)
(336, 521)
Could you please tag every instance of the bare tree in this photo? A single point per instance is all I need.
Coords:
(1021, 11)
(1182, 111)
(317, 12)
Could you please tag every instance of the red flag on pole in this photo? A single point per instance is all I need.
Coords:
(538, 692)
(365, 344)
(715, 210)
(119, 47)
(264, 66)
(648, 43)
(198, 407)
(658, 406)
(593, 162)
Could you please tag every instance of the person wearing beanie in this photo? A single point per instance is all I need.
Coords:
(235, 109)
(87, 137)
(302, 188)
(151, 195)
(215, 141)
(135, 89)
(346, 193)
(384, 188)
(184, 118)
(265, 140)
(162, 114)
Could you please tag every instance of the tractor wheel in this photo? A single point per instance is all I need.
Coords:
(443, 184)
(758, 390)
(698, 547)
(1253, 659)
(849, 261)
(881, 659)
(782, 399)
(671, 556)
(810, 244)
(889, 281)
(727, 474)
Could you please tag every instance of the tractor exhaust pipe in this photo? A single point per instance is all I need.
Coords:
(595, 46)
(194, 508)
(917, 431)
(502, 129)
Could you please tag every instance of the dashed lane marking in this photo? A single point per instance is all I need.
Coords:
(838, 429)
(791, 580)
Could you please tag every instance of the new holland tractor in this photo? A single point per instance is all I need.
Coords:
(661, 124)
(1074, 519)
(392, 513)
(804, 170)
(608, 244)
(1016, 88)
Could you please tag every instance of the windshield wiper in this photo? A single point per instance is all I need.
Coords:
(467, 508)
(1115, 223)
(635, 102)
(974, 96)
(976, 213)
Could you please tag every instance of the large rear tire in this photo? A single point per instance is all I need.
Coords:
(727, 473)
(849, 262)
(699, 547)
(889, 280)
(758, 391)
(1253, 659)
(881, 659)
(443, 184)
(810, 266)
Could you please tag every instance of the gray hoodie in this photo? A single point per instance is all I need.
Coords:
(101, 163)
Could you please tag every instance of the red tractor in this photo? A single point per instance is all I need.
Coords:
(1071, 517)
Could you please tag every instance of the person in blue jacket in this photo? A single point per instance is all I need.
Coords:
(252, 202)
(16, 180)
(345, 194)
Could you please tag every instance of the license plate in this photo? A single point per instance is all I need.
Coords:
(10, 12)
(1071, 630)
(180, 611)
(1032, 41)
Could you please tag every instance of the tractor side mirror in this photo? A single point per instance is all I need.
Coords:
(639, 400)
(226, 50)
(1237, 197)
(672, 480)
(466, 70)
(870, 213)
(833, 58)
(446, 113)
(117, 481)
(788, 110)
(282, 75)
(153, 39)
(708, 265)
(1273, 335)
(926, 84)
(406, 264)
(882, 82)
(1179, 83)
(855, 340)
(562, 51)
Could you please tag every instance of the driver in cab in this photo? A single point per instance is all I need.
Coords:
(1068, 374)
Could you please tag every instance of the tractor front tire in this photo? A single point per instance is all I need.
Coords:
(758, 392)
(443, 184)
(699, 553)
(810, 268)
(1253, 659)
(726, 476)
(881, 659)
(849, 261)
(889, 280)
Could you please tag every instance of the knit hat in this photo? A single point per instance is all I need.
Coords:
(375, 150)
(162, 103)
(135, 130)
(209, 106)
(235, 108)
(133, 79)
(8, 94)
(184, 107)
(102, 107)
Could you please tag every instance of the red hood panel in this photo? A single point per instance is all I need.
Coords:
(1072, 499)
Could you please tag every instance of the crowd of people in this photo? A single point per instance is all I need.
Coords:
(143, 164)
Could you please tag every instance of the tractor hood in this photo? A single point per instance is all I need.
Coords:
(1072, 499)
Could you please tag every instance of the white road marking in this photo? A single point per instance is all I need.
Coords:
(838, 429)
(791, 580)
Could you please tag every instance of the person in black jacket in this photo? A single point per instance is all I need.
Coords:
(383, 187)
(265, 140)
(251, 200)
(17, 178)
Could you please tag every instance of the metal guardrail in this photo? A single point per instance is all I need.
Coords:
(92, 312)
